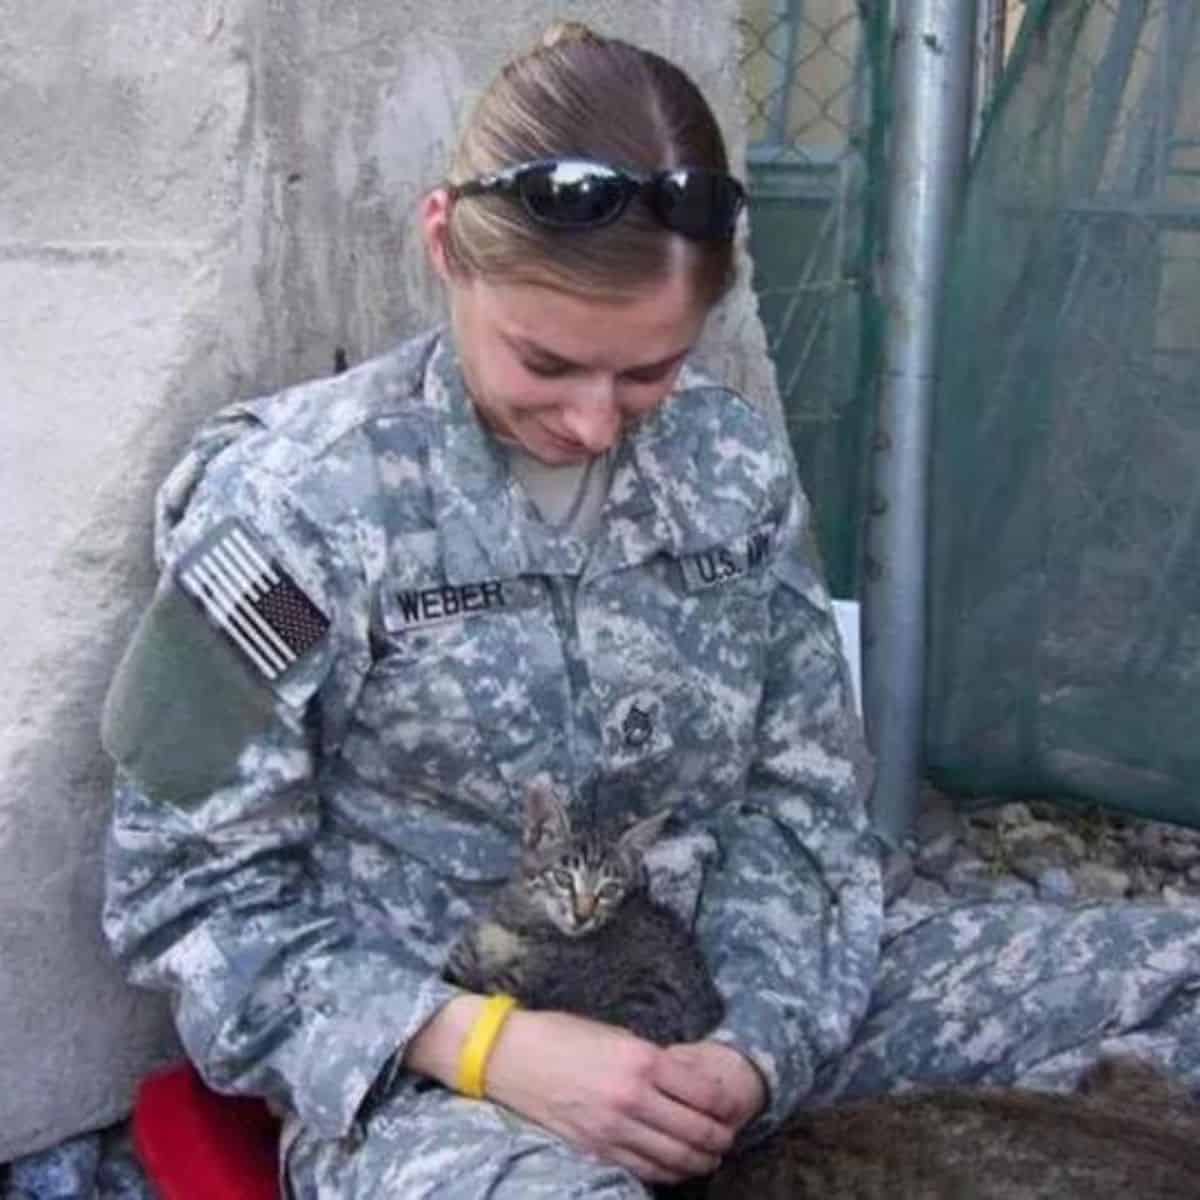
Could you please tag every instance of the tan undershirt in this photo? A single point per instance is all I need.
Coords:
(568, 498)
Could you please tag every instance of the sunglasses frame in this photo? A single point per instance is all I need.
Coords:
(512, 181)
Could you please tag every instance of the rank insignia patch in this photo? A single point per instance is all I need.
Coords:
(252, 599)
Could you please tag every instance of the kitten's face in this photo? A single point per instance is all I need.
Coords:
(579, 888)
(578, 881)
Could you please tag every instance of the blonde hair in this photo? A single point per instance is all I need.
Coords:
(578, 94)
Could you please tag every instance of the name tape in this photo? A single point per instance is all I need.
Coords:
(418, 608)
(722, 564)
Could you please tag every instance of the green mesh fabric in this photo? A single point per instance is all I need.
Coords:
(1064, 583)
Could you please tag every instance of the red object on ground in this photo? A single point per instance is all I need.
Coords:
(198, 1145)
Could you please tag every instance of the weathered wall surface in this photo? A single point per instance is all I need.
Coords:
(199, 199)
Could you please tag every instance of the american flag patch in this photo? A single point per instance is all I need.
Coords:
(252, 600)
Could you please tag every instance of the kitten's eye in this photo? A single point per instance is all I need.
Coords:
(564, 879)
(609, 892)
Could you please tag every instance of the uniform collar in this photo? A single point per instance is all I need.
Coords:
(489, 530)
(672, 492)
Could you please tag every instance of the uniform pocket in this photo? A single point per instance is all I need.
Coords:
(462, 709)
(679, 681)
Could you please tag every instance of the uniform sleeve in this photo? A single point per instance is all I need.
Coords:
(211, 889)
(790, 917)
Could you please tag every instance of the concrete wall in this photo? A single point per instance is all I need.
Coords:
(199, 199)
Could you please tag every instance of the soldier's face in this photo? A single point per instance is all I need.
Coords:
(565, 377)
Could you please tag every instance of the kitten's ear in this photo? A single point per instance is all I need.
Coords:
(641, 835)
(546, 817)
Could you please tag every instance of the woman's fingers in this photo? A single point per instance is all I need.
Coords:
(689, 1127)
(643, 1168)
(692, 1082)
(672, 1157)
(715, 1079)
(597, 1086)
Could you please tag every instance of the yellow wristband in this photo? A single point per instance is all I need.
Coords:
(472, 1062)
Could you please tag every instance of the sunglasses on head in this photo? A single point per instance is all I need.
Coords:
(578, 193)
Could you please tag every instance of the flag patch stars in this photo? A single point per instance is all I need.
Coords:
(252, 599)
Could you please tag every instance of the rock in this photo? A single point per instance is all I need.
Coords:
(1072, 844)
(897, 875)
(1148, 841)
(1146, 880)
(1044, 810)
(1167, 846)
(1029, 845)
(1054, 852)
(936, 856)
(1013, 815)
(1048, 837)
(1094, 880)
(973, 879)
(969, 879)
(938, 817)
(985, 818)
(926, 892)
(1032, 863)
(1056, 884)
(984, 841)
(1180, 853)
(1175, 897)
(1008, 888)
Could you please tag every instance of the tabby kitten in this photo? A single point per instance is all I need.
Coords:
(1125, 1133)
(574, 929)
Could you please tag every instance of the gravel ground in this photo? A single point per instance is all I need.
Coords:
(1015, 851)
(1035, 849)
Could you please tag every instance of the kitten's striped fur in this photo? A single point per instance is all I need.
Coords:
(576, 930)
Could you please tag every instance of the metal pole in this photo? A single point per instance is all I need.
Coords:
(932, 79)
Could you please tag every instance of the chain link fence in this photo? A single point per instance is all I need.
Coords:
(816, 78)
(811, 71)
(1064, 582)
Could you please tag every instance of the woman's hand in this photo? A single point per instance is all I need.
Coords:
(709, 1072)
(664, 1114)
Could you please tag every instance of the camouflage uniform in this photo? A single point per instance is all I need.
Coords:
(1024, 992)
(293, 850)
(293, 856)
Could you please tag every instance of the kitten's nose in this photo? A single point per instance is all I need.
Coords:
(584, 907)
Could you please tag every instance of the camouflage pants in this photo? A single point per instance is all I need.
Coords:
(987, 992)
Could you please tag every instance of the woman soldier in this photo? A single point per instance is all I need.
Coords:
(533, 546)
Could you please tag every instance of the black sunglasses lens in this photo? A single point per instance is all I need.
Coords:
(698, 203)
(569, 194)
